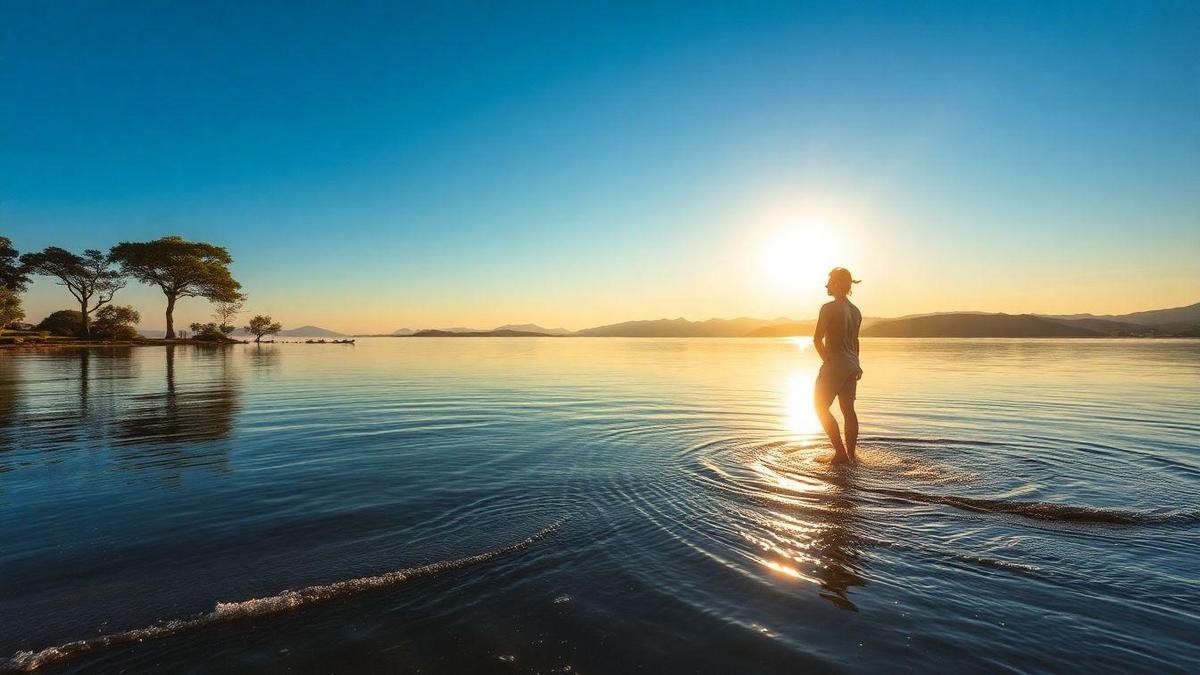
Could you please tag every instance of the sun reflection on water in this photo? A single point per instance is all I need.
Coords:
(798, 405)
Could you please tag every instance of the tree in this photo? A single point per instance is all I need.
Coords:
(10, 308)
(64, 322)
(262, 325)
(85, 276)
(12, 273)
(225, 311)
(181, 268)
(117, 322)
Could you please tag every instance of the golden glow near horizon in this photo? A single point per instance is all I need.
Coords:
(765, 256)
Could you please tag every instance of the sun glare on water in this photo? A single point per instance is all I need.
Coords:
(798, 405)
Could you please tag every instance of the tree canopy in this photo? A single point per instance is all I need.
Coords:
(262, 325)
(12, 272)
(86, 276)
(225, 311)
(181, 269)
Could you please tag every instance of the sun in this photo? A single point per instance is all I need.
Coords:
(799, 256)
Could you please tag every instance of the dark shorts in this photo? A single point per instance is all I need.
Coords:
(831, 383)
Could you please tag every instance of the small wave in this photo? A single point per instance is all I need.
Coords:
(257, 607)
(907, 440)
(1048, 510)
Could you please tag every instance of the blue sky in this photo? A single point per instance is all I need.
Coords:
(378, 165)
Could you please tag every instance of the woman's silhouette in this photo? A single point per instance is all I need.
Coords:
(836, 340)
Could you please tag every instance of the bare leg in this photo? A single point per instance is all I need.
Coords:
(829, 423)
(851, 417)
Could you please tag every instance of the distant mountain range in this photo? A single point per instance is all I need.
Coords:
(302, 331)
(1155, 317)
(976, 325)
(1172, 322)
(460, 330)
(499, 332)
(681, 327)
(534, 328)
(310, 331)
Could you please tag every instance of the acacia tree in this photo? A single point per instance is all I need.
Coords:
(86, 276)
(181, 268)
(12, 272)
(262, 325)
(225, 311)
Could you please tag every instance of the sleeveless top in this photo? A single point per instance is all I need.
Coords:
(841, 320)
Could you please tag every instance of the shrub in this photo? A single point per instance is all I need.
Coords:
(64, 323)
(116, 322)
(10, 307)
(209, 332)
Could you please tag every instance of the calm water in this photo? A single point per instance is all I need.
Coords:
(599, 505)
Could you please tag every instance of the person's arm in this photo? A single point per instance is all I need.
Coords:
(857, 345)
(819, 333)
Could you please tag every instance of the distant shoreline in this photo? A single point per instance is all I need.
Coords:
(1173, 322)
(777, 337)
(90, 344)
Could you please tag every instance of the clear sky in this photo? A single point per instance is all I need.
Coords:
(372, 166)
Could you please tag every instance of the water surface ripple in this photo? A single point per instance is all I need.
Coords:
(1019, 504)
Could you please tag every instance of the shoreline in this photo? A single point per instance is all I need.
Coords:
(159, 342)
(70, 343)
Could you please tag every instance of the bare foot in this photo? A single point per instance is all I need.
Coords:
(835, 458)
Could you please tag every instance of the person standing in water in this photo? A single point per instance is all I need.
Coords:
(836, 340)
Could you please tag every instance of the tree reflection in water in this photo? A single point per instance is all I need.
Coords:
(10, 395)
(263, 358)
(189, 422)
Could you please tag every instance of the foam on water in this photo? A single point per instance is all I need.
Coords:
(258, 607)
(1047, 510)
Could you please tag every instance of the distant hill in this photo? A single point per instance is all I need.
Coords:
(1173, 322)
(785, 329)
(977, 325)
(1113, 328)
(302, 331)
(534, 328)
(310, 331)
(1182, 316)
(479, 333)
(799, 328)
(682, 328)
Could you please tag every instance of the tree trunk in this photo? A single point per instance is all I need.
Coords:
(86, 327)
(170, 318)
(257, 339)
